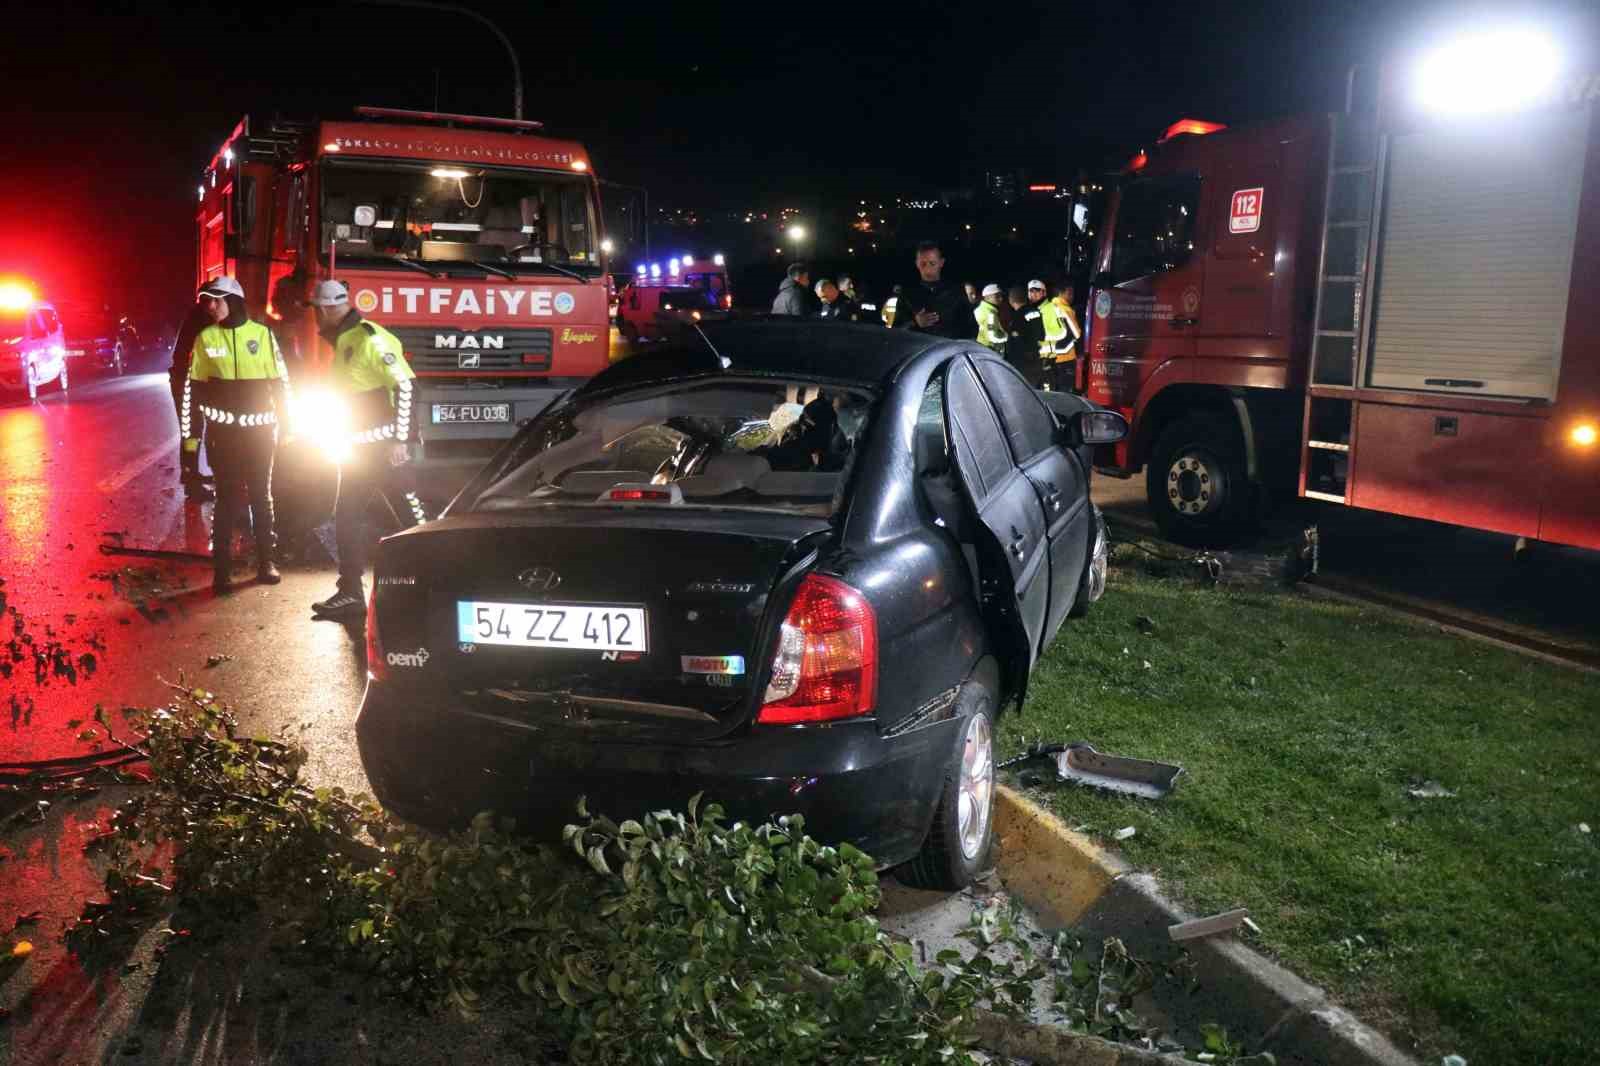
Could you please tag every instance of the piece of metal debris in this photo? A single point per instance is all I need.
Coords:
(1430, 790)
(1583, 827)
(1125, 833)
(217, 659)
(1081, 764)
(1209, 925)
(1252, 926)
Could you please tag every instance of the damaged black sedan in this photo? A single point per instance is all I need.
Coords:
(799, 569)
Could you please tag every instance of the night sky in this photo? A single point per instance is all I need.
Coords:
(115, 108)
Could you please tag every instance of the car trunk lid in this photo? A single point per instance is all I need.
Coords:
(474, 592)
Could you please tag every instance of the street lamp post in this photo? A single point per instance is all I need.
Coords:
(457, 9)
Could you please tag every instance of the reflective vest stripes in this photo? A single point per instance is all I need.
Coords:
(991, 334)
(369, 362)
(1066, 350)
(236, 378)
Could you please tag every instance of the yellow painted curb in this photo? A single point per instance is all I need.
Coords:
(1058, 873)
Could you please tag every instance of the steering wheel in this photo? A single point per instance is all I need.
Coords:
(564, 251)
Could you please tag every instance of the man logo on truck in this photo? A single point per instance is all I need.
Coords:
(468, 340)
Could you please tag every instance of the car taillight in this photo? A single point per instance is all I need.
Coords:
(826, 666)
(377, 669)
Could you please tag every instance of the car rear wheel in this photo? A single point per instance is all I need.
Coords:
(1199, 491)
(962, 835)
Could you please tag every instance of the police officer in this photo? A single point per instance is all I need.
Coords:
(1055, 329)
(991, 332)
(370, 370)
(1065, 371)
(239, 384)
(1027, 336)
(194, 486)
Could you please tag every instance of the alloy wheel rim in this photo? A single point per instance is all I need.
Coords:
(976, 787)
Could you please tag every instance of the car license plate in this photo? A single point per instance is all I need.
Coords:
(573, 626)
(471, 412)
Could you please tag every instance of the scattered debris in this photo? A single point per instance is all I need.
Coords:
(1583, 827)
(1146, 663)
(1125, 833)
(22, 949)
(31, 918)
(1430, 790)
(1081, 764)
(1209, 925)
(1252, 926)
(1145, 623)
(1453, 1060)
(217, 659)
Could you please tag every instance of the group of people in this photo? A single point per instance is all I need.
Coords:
(230, 384)
(1032, 329)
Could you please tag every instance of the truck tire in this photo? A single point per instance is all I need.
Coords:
(1198, 489)
(961, 837)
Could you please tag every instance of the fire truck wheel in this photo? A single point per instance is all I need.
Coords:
(1196, 483)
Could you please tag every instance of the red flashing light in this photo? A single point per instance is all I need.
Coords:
(377, 669)
(1139, 162)
(1041, 188)
(826, 666)
(639, 496)
(1196, 126)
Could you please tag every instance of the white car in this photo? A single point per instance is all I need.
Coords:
(33, 352)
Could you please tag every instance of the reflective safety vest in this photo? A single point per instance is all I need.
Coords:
(236, 378)
(991, 334)
(369, 365)
(1055, 329)
(1067, 348)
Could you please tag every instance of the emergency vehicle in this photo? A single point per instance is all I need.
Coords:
(1385, 311)
(476, 241)
(657, 301)
(32, 345)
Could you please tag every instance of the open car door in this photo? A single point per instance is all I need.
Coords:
(1013, 549)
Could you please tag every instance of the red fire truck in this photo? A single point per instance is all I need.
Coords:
(656, 302)
(474, 240)
(1385, 311)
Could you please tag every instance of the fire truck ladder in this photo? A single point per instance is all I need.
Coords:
(1342, 279)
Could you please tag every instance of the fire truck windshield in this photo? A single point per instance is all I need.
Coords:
(441, 214)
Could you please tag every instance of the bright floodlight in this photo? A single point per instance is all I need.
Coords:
(797, 233)
(606, 246)
(15, 297)
(1488, 72)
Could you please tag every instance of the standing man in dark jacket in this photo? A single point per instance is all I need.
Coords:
(1027, 334)
(934, 305)
(794, 295)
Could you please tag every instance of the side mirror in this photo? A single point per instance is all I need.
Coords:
(1098, 427)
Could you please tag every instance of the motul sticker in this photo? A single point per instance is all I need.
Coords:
(1244, 214)
(713, 664)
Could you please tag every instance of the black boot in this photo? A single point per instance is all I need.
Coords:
(222, 579)
(266, 573)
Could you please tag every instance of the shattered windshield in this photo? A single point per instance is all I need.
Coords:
(776, 446)
(432, 213)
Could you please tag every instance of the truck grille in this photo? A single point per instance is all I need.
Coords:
(490, 350)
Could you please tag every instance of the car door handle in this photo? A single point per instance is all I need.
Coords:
(1018, 541)
(1181, 322)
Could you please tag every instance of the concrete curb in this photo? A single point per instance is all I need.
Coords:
(1068, 879)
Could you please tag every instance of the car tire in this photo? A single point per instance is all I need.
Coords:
(1093, 583)
(30, 377)
(957, 847)
(119, 358)
(1199, 491)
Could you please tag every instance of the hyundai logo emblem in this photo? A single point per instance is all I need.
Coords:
(539, 579)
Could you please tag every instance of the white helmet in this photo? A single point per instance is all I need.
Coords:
(330, 294)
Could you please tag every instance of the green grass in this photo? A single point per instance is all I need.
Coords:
(1466, 924)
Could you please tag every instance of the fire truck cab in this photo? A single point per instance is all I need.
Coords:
(658, 301)
(476, 241)
(1379, 310)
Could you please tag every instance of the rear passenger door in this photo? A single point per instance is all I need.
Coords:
(1056, 475)
(1017, 556)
